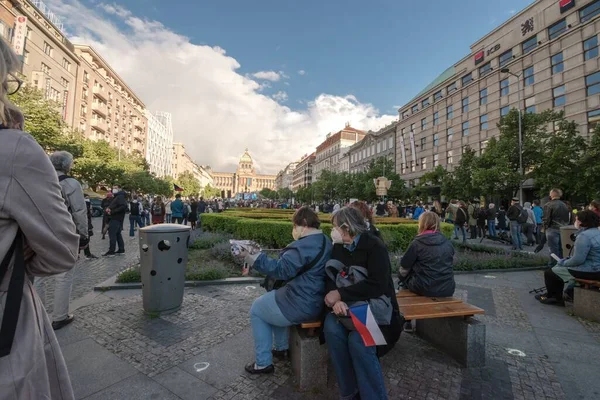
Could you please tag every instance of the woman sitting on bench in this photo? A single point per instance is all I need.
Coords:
(585, 263)
(356, 365)
(302, 265)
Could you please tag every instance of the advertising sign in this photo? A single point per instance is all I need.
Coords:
(20, 34)
(412, 147)
(403, 150)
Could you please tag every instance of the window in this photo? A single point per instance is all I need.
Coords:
(485, 69)
(437, 95)
(557, 29)
(436, 160)
(66, 64)
(391, 142)
(412, 127)
(589, 12)
(451, 88)
(482, 146)
(425, 103)
(436, 118)
(29, 30)
(412, 166)
(529, 44)
(405, 114)
(483, 96)
(26, 57)
(504, 111)
(530, 105)
(384, 145)
(449, 112)
(436, 139)
(505, 58)
(504, 89)
(449, 133)
(557, 63)
(528, 76)
(415, 108)
(449, 158)
(558, 93)
(86, 77)
(45, 69)
(467, 78)
(593, 119)
(48, 49)
(424, 163)
(465, 105)
(423, 142)
(483, 122)
(379, 147)
(590, 48)
(403, 131)
(592, 84)
(64, 82)
(465, 128)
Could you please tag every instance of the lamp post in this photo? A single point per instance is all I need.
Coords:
(518, 76)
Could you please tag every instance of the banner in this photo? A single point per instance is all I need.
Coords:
(412, 147)
(20, 34)
(403, 150)
(64, 106)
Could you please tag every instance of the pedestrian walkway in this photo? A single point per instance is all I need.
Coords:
(114, 351)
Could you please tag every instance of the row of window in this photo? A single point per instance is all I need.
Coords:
(372, 150)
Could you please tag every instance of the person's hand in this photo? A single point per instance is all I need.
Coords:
(245, 269)
(107, 211)
(332, 298)
(340, 309)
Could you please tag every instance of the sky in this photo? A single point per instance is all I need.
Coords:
(277, 76)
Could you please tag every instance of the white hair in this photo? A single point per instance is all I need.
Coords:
(9, 62)
(62, 161)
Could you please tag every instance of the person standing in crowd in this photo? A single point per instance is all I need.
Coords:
(473, 212)
(460, 219)
(158, 211)
(367, 214)
(177, 209)
(513, 214)
(501, 220)
(380, 209)
(168, 211)
(72, 194)
(418, 210)
(529, 226)
(437, 208)
(37, 238)
(491, 220)
(451, 215)
(193, 215)
(135, 215)
(105, 217)
(146, 204)
(201, 210)
(117, 211)
(357, 367)
(556, 214)
(482, 216)
(86, 251)
(595, 207)
(538, 212)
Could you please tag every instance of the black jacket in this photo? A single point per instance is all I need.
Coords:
(556, 214)
(513, 212)
(135, 208)
(491, 214)
(502, 219)
(118, 207)
(461, 216)
(428, 260)
(370, 253)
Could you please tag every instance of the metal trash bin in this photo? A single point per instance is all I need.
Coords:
(163, 257)
(567, 239)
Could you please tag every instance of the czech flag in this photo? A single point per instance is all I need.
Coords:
(367, 327)
(177, 188)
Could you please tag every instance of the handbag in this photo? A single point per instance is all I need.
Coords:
(273, 284)
(13, 295)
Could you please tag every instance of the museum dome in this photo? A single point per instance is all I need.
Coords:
(246, 159)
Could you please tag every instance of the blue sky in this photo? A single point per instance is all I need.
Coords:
(381, 51)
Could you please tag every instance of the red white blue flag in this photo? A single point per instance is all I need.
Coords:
(367, 327)
(177, 188)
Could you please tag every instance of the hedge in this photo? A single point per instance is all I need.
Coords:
(287, 216)
(278, 233)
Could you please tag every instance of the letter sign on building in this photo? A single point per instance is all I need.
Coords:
(493, 49)
(20, 34)
(566, 5)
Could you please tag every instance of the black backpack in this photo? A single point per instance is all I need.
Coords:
(523, 216)
(14, 293)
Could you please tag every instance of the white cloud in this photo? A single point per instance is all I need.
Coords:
(267, 75)
(301, 72)
(115, 9)
(280, 97)
(217, 112)
(512, 11)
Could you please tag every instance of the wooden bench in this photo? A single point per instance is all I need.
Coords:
(586, 301)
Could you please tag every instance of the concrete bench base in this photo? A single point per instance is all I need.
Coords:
(309, 360)
(586, 303)
(462, 338)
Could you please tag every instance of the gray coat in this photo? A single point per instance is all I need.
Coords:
(73, 195)
(30, 199)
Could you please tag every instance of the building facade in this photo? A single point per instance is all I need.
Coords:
(107, 108)
(303, 172)
(373, 146)
(243, 180)
(552, 48)
(285, 177)
(159, 149)
(330, 152)
(181, 161)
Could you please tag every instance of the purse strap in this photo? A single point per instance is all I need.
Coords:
(14, 294)
(313, 262)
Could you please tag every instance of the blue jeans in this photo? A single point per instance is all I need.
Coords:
(461, 228)
(357, 367)
(492, 228)
(267, 323)
(168, 218)
(515, 235)
(135, 219)
(554, 243)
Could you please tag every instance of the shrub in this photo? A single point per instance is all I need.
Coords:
(222, 251)
(207, 240)
(130, 275)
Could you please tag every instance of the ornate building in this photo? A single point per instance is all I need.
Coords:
(244, 180)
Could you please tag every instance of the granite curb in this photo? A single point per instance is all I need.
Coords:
(111, 283)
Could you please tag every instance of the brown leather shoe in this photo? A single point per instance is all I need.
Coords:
(56, 325)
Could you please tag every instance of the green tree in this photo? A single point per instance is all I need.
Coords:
(304, 194)
(268, 193)
(188, 182)
(209, 192)
(382, 167)
(458, 184)
(430, 184)
(284, 194)
(589, 184)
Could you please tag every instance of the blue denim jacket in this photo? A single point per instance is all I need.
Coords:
(586, 257)
(538, 212)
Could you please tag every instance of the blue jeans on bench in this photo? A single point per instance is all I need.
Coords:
(267, 323)
(356, 366)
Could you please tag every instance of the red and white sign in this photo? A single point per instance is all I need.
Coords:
(566, 5)
(20, 34)
(479, 57)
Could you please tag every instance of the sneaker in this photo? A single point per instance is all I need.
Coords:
(251, 369)
(109, 254)
(56, 325)
(120, 252)
(90, 257)
(408, 328)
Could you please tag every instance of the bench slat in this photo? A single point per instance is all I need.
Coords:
(425, 311)
(308, 325)
(405, 293)
(415, 301)
(588, 282)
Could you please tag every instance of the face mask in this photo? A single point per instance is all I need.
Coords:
(368, 223)
(297, 232)
(336, 236)
(115, 191)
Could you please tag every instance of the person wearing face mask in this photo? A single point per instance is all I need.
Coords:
(302, 266)
(357, 366)
(367, 214)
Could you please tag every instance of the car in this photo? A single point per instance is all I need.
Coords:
(97, 210)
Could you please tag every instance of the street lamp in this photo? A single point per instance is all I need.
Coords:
(518, 76)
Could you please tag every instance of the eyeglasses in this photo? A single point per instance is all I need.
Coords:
(13, 84)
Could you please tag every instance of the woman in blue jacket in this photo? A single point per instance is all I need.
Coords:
(302, 265)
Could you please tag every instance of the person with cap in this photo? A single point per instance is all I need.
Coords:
(513, 213)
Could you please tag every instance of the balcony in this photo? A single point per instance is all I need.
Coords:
(99, 108)
(99, 124)
(100, 92)
(138, 123)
